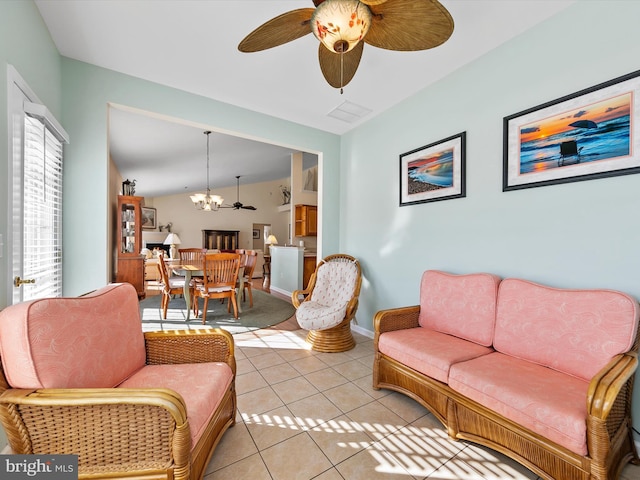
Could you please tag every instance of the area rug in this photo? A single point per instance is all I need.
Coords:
(267, 310)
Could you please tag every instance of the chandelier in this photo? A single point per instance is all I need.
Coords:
(207, 201)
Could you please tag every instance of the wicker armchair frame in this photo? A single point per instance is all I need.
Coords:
(338, 338)
(122, 432)
(609, 429)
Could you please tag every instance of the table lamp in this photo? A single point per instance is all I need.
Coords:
(271, 240)
(172, 239)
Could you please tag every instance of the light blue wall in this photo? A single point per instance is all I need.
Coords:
(583, 234)
(86, 92)
(26, 44)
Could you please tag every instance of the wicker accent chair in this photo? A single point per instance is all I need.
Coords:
(78, 376)
(170, 286)
(220, 278)
(329, 303)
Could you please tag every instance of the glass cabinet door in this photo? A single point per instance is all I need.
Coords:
(130, 236)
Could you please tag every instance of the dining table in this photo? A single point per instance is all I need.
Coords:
(193, 271)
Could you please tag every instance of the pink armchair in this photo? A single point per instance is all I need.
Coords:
(80, 377)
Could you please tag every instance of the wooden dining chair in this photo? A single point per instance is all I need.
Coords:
(250, 261)
(170, 285)
(220, 277)
(192, 256)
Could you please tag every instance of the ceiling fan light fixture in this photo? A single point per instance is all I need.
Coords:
(206, 201)
(340, 24)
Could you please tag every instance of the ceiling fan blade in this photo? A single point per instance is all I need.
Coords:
(372, 2)
(279, 30)
(248, 207)
(339, 69)
(409, 25)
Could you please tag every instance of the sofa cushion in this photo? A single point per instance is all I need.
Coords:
(201, 386)
(83, 342)
(460, 305)
(427, 351)
(550, 403)
(573, 331)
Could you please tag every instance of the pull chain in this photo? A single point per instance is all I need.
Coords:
(341, 73)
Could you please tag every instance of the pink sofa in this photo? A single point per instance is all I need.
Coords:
(80, 377)
(544, 375)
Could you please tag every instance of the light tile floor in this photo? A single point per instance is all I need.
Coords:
(308, 415)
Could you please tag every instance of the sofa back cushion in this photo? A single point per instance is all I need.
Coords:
(573, 331)
(460, 305)
(85, 342)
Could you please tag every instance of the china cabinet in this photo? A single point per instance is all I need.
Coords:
(130, 263)
(223, 240)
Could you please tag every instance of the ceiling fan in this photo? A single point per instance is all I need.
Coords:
(237, 205)
(405, 25)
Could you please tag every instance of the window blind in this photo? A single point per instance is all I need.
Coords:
(42, 196)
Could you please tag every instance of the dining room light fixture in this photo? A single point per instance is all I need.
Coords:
(206, 201)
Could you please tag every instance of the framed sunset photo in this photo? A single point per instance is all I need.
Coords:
(590, 134)
(433, 172)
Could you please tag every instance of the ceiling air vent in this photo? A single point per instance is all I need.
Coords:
(349, 112)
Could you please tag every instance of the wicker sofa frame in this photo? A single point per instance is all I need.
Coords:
(609, 429)
(124, 432)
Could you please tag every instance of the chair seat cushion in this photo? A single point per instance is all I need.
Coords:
(202, 289)
(548, 402)
(316, 316)
(427, 351)
(176, 282)
(200, 397)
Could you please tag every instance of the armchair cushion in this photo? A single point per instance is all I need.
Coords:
(315, 316)
(201, 397)
(79, 342)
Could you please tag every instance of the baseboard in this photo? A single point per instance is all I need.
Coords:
(280, 291)
(361, 331)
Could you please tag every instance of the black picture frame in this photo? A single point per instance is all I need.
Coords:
(593, 133)
(434, 172)
(256, 234)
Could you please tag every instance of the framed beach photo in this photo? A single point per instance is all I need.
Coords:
(148, 218)
(593, 133)
(433, 172)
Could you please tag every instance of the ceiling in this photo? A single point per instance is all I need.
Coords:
(191, 45)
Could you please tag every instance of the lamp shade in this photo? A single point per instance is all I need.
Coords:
(340, 24)
(271, 240)
(172, 239)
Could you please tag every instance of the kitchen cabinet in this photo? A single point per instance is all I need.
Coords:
(130, 263)
(306, 221)
(308, 267)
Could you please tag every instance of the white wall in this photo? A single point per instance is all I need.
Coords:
(188, 222)
(87, 92)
